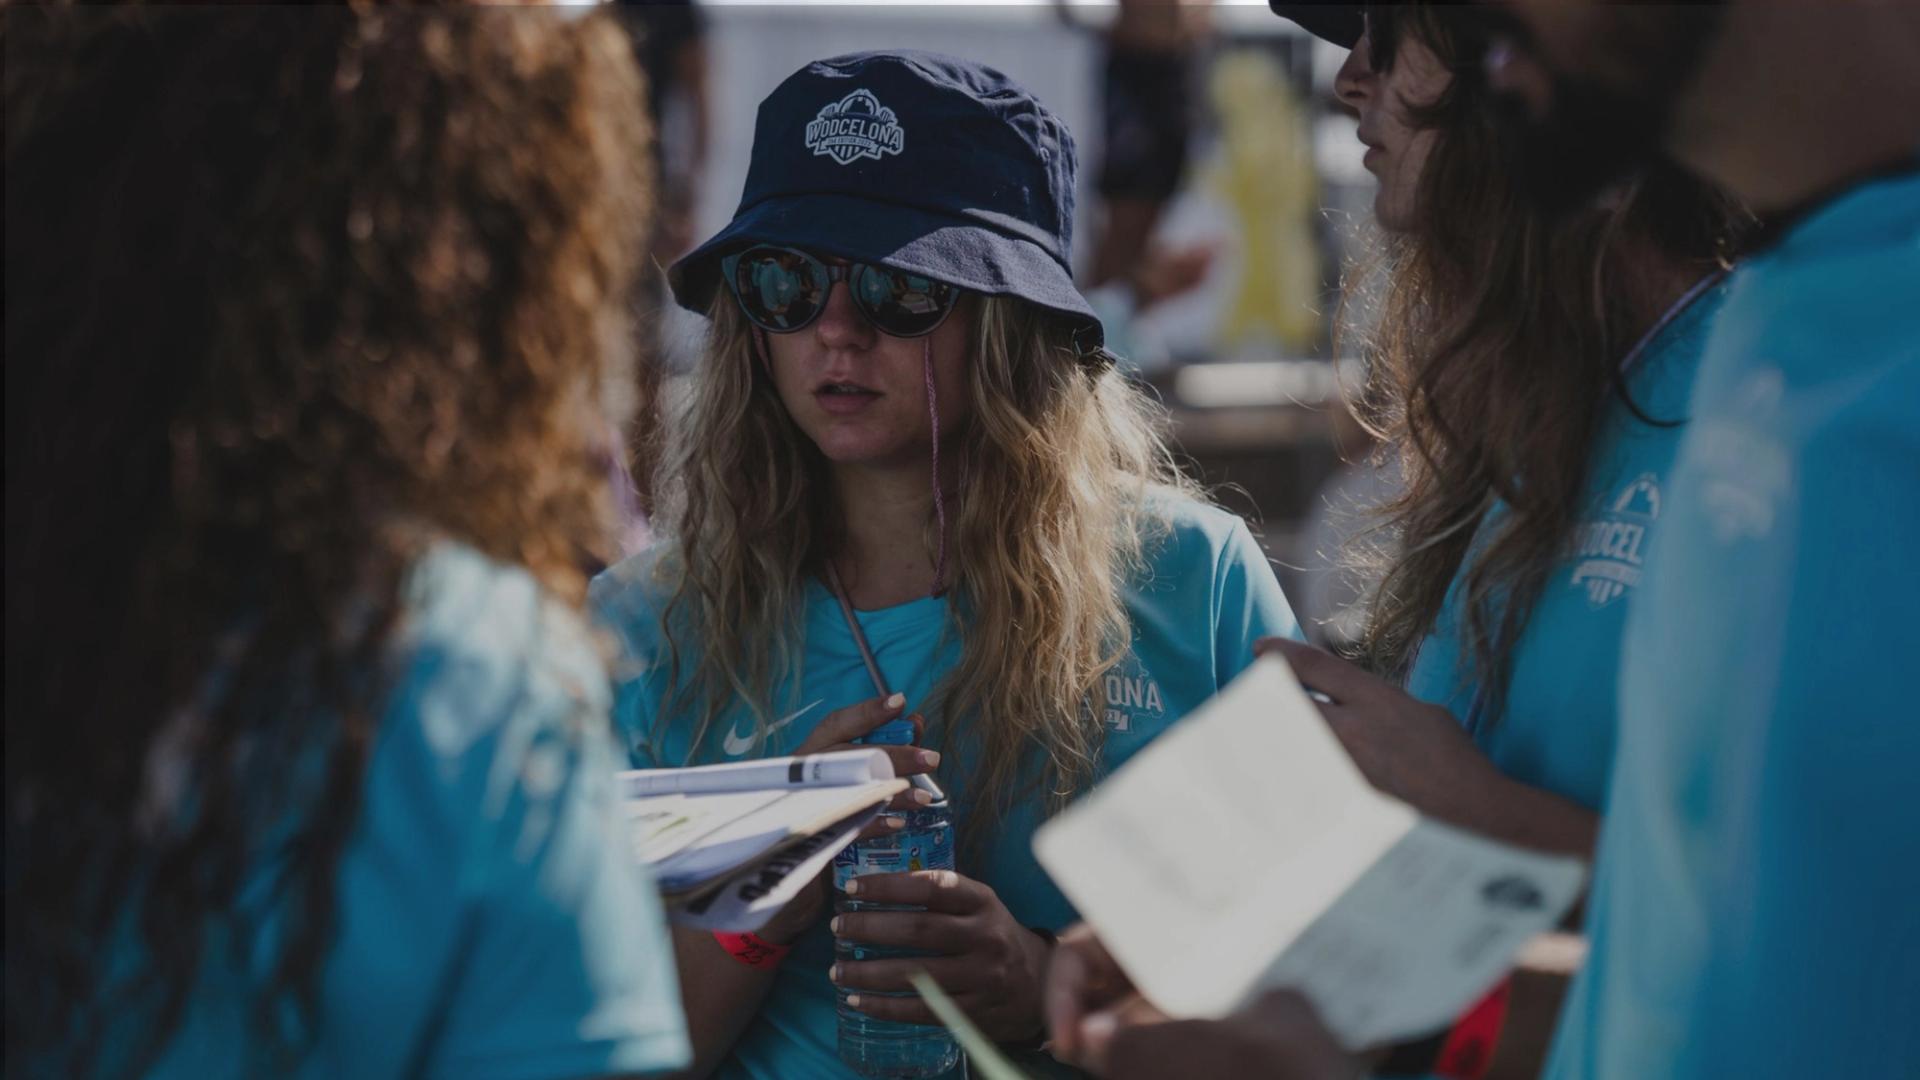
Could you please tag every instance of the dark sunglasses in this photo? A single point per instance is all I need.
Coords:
(784, 290)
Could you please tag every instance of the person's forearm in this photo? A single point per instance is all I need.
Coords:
(1529, 817)
(720, 995)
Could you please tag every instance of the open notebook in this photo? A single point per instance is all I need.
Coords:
(1244, 851)
(730, 844)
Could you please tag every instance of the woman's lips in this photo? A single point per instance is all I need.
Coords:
(844, 401)
(1372, 143)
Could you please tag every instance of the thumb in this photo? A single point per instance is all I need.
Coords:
(1175, 1048)
(1094, 1038)
(1317, 669)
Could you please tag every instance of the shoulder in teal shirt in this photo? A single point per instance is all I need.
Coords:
(1208, 596)
(1753, 911)
(492, 920)
(1557, 730)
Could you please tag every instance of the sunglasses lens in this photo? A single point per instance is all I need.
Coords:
(779, 290)
(899, 303)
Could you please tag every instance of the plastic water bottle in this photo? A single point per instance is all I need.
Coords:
(882, 1048)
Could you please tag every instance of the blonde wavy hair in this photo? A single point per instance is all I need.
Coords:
(1064, 476)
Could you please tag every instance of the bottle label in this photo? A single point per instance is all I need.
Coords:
(905, 851)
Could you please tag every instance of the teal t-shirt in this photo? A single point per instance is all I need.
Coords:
(492, 921)
(1755, 899)
(1557, 730)
(1208, 596)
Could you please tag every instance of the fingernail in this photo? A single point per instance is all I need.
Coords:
(835, 924)
(929, 758)
(833, 973)
(896, 823)
(853, 1001)
(853, 886)
(924, 798)
(1097, 1028)
(896, 701)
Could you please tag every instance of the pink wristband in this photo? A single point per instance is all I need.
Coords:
(752, 949)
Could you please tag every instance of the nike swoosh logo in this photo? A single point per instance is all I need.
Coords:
(737, 744)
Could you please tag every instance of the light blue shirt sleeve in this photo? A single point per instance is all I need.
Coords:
(1248, 604)
(567, 970)
(493, 883)
(625, 601)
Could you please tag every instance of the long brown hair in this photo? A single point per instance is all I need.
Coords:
(1064, 470)
(1496, 354)
(290, 291)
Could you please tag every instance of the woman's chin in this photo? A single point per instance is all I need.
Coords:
(869, 450)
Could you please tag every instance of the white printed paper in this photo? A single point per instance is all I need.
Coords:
(841, 768)
(1243, 851)
(665, 825)
(752, 823)
(749, 899)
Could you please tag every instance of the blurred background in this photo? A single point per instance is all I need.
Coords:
(1220, 195)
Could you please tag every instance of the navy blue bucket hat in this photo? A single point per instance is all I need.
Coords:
(922, 162)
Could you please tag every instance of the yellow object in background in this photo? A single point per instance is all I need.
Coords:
(1266, 176)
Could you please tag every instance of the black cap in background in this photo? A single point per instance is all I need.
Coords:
(1341, 24)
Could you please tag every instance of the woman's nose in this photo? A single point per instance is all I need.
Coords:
(1353, 83)
(841, 326)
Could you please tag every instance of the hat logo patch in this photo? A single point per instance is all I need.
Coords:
(857, 126)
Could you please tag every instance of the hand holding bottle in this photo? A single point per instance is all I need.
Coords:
(991, 965)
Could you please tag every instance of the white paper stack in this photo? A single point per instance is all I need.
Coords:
(730, 844)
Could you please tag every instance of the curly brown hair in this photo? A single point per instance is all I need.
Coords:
(290, 292)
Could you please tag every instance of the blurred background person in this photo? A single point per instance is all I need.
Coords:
(670, 43)
(310, 317)
(1147, 100)
(1150, 70)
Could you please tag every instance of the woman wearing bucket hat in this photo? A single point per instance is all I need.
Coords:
(907, 462)
(1531, 365)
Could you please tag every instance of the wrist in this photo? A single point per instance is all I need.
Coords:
(791, 921)
(1474, 795)
(1040, 942)
(783, 931)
